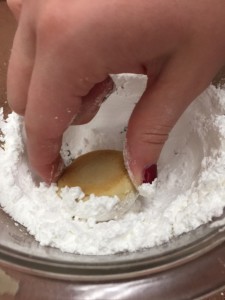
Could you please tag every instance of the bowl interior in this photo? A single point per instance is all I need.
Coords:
(18, 246)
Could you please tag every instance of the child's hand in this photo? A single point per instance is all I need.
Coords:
(64, 51)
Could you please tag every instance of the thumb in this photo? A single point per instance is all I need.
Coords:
(156, 113)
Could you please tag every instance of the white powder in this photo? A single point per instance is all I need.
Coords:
(189, 191)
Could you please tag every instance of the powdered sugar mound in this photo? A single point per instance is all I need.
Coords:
(96, 207)
(189, 190)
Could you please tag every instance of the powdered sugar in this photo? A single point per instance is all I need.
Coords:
(189, 190)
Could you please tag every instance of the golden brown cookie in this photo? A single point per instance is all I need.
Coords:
(99, 172)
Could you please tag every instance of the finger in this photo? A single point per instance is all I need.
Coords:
(92, 102)
(20, 67)
(158, 110)
(53, 102)
(15, 6)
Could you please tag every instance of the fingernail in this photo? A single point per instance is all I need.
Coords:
(150, 174)
(57, 171)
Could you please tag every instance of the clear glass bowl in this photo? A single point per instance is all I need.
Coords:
(188, 267)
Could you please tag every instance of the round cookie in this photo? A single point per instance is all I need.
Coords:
(101, 173)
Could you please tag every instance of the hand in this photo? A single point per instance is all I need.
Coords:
(63, 53)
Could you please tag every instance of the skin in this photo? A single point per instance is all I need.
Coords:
(64, 51)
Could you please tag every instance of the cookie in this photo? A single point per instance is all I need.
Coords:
(101, 173)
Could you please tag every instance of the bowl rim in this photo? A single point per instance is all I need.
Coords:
(102, 271)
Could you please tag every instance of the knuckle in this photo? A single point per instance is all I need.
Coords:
(152, 138)
(40, 131)
(157, 135)
(41, 127)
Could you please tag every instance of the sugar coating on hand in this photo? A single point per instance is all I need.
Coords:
(189, 190)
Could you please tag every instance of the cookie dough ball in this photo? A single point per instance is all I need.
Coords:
(102, 173)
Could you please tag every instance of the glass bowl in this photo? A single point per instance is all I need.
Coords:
(188, 267)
